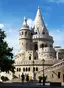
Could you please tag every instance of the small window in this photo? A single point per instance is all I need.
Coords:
(25, 33)
(35, 46)
(35, 32)
(29, 69)
(31, 33)
(23, 69)
(26, 69)
(19, 69)
(36, 68)
(42, 45)
(22, 32)
(58, 74)
(33, 68)
(29, 57)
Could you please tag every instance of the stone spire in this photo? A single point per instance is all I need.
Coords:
(39, 25)
(25, 25)
(38, 18)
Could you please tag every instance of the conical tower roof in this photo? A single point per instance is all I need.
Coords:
(39, 25)
(25, 25)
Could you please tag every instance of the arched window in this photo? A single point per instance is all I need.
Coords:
(58, 74)
(29, 57)
(23, 69)
(22, 32)
(35, 47)
(36, 68)
(17, 69)
(29, 69)
(26, 69)
(42, 45)
(25, 33)
(33, 68)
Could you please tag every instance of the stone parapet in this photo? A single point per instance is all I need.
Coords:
(36, 62)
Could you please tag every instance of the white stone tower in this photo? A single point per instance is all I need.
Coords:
(35, 45)
(43, 42)
(25, 37)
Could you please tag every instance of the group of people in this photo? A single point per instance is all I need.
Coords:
(24, 77)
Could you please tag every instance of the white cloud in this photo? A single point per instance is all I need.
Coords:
(57, 30)
(30, 22)
(57, 1)
(1, 26)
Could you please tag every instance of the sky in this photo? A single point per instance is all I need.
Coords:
(12, 13)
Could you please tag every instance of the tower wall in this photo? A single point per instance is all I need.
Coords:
(25, 39)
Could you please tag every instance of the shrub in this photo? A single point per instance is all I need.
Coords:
(4, 78)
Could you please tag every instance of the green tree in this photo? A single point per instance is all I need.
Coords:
(6, 55)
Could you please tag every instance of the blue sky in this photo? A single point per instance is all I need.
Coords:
(12, 13)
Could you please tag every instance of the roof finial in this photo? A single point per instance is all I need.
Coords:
(25, 18)
(38, 7)
(25, 21)
(25, 25)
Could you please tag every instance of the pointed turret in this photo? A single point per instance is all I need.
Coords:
(39, 25)
(25, 25)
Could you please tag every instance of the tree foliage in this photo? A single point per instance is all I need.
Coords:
(6, 55)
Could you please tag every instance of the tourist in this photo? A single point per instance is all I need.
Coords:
(22, 77)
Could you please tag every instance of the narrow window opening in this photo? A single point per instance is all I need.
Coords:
(26, 69)
(42, 45)
(36, 68)
(17, 69)
(29, 69)
(22, 32)
(29, 57)
(33, 68)
(23, 69)
(25, 33)
(58, 74)
(35, 47)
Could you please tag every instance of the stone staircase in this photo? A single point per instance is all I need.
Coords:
(52, 68)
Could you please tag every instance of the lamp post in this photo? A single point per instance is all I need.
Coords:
(43, 71)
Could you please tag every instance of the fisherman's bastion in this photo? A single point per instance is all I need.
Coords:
(37, 54)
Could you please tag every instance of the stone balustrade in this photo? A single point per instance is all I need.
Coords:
(42, 36)
(52, 68)
(36, 62)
